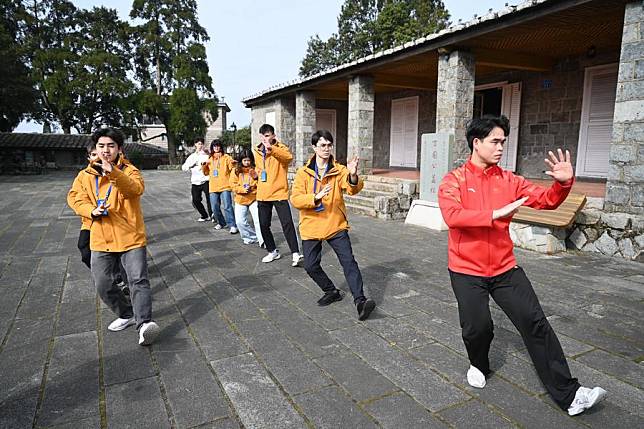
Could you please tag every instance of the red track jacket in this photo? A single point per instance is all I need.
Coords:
(478, 245)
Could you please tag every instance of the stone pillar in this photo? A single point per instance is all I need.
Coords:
(360, 132)
(625, 186)
(304, 125)
(455, 99)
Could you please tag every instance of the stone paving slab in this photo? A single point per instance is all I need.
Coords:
(243, 343)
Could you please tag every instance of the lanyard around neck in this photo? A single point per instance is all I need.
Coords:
(109, 190)
(315, 179)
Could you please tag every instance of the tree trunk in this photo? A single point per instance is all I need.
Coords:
(172, 147)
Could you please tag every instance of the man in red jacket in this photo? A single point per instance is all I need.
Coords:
(477, 201)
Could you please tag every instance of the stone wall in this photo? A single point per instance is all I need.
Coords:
(613, 234)
(550, 109)
(284, 109)
(382, 121)
(625, 188)
(396, 206)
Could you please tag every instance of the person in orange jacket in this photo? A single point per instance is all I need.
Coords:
(109, 196)
(84, 235)
(272, 159)
(243, 182)
(477, 201)
(218, 168)
(317, 193)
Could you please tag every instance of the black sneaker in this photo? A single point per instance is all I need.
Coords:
(365, 308)
(330, 298)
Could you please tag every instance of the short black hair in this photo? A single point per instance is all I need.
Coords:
(480, 128)
(199, 139)
(110, 132)
(266, 128)
(216, 142)
(325, 134)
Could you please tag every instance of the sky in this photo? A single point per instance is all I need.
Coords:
(255, 44)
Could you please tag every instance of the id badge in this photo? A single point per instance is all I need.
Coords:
(263, 176)
(98, 204)
(215, 173)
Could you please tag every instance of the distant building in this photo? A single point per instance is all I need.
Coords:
(33, 152)
(153, 132)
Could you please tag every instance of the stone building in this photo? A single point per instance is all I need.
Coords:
(154, 132)
(568, 73)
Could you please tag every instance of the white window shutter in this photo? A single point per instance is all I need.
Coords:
(511, 107)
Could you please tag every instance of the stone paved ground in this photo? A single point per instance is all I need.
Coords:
(244, 345)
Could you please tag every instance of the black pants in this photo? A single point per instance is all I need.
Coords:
(265, 209)
(513, 292)
(196, 191)
(83, 246)
(86, 256)
(341, 245)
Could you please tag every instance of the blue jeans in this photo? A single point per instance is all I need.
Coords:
(247, 232)
(223, 201)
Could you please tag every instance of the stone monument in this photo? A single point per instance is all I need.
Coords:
(436, 160)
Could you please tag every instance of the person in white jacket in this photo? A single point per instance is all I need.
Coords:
(198, 179)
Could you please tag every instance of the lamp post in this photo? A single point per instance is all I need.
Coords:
(234, 128)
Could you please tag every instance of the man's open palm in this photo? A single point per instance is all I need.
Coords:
(560, 167)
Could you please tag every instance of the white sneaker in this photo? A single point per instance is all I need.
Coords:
(148, 332)
(203, 219)
(297, 258)
(475, 377)
(217, 226)
(275, 254)
(585, 398)
(120, 324)
(233, 230)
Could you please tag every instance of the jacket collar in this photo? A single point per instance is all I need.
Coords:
(310, 166)
(478, 171)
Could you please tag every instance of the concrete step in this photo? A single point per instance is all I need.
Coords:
(360, 210)
(391, 188)
(384, 179)
(359, 200)
(373, 193)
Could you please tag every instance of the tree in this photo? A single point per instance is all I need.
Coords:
(80, 61)
(171, 67)
(101, 72)
(241, 137)
(50, 27)
(369, 26)
(17, 95)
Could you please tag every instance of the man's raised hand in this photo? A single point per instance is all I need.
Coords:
(560, 167)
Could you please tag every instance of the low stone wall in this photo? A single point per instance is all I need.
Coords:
(538, 238)
(395, 207)
(594, 230)
(613, 234)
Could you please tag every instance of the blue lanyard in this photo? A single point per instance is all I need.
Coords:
(315, 180)
(264, 157)
(216, 168)
(109, 190)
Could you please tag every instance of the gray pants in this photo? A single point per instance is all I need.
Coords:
(136, 267)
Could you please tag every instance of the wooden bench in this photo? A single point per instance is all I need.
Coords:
(562, 217)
